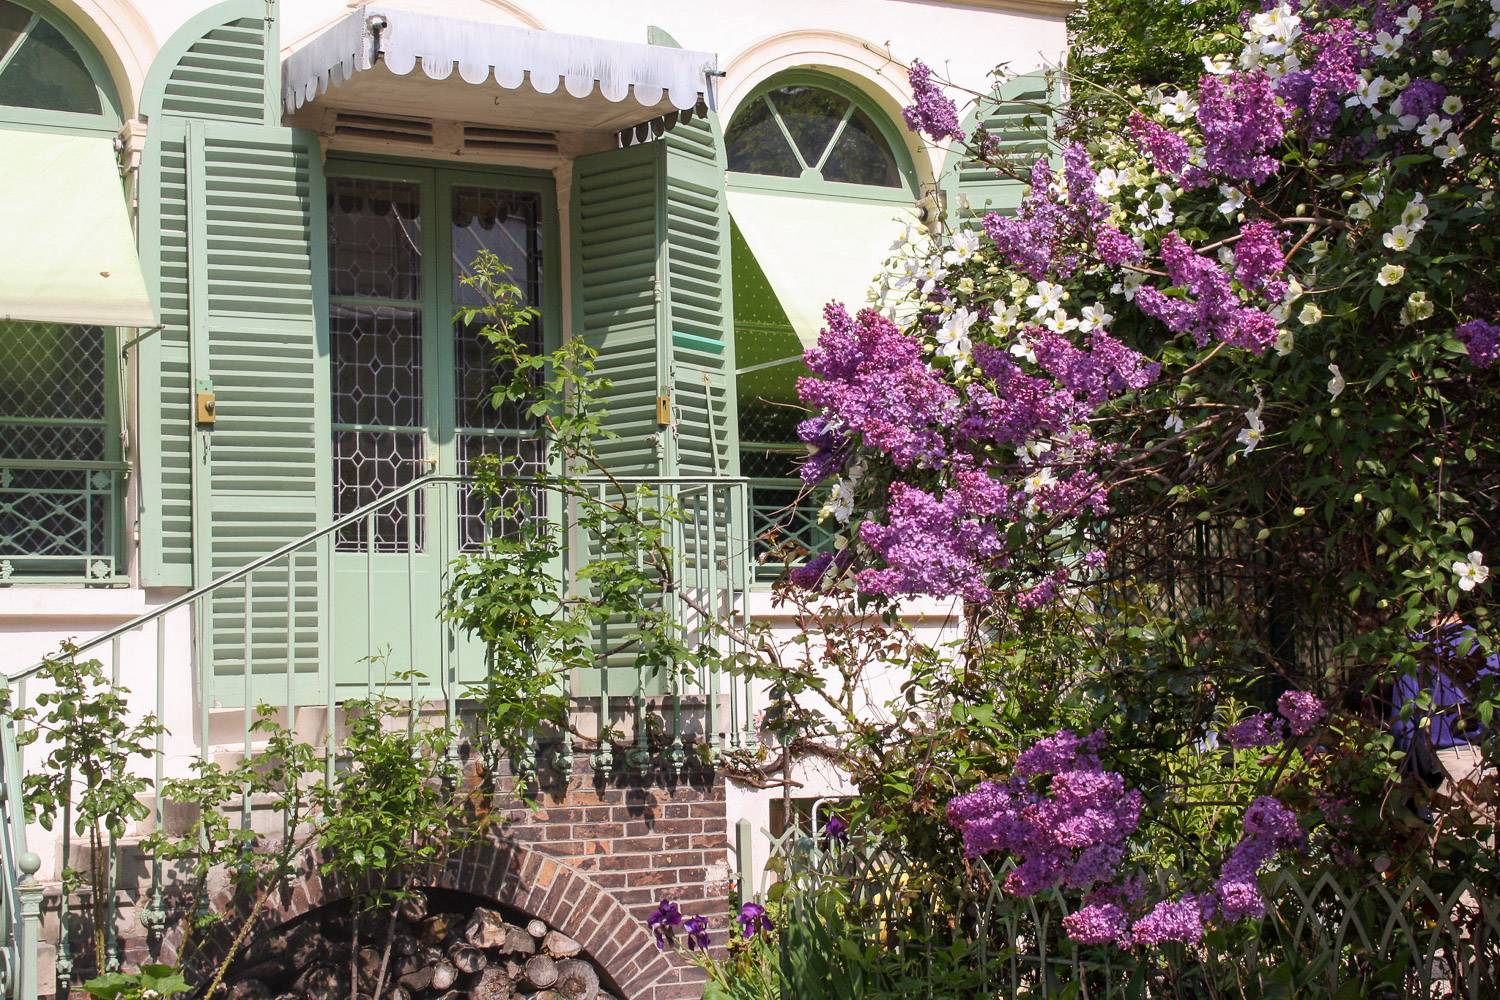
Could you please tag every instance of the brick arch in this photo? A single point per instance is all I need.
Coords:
(512, 875)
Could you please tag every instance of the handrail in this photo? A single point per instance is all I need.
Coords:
(343, 522)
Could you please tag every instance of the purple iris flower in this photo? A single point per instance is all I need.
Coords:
(697, 933)
(664, 921)
(836, 830)
(753, 920)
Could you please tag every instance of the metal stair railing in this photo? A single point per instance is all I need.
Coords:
(710, 546)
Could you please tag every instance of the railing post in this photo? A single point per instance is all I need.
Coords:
(29, 932)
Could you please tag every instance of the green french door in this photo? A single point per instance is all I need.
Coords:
(410, 397)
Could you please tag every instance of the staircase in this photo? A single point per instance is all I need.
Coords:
(179, 667)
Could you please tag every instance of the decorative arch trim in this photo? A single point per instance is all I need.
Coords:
(858, 62)
(508, 873)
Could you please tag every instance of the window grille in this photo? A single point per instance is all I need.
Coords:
(61, 478)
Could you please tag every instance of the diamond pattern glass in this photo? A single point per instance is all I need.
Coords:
(53, 409)
(374, 238)
(369, 465)
(518, 457)
(377, 365)
(508, 224)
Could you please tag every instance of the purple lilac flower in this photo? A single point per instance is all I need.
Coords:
(1029, 239)
(1073, 834)
(754, 920)
(828, 449)
(1214, 312)
(1079, 176)
(929, 547)
(1257, 731)
(931, 112)
(810, 574)
(1167, 149)
(1097, 923)
(1242, 121)
(1043, 593)
(1483, 340)
(1269, 827)
(1422, 97)
(1258, 260)
(664, 921)
(1115, 248)
(1181, 920)
(696, 929)
(1339, 52)
(1108, 369)
(872, 379)
(836, 831)
(1301, 710)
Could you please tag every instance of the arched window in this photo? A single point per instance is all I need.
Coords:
(62, 462)
(49, 75)
(810, 132)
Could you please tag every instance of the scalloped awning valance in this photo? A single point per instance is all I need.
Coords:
(656, 78)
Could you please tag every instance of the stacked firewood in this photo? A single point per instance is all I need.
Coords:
(410, 953)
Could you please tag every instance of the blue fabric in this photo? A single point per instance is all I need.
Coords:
(1446, 722)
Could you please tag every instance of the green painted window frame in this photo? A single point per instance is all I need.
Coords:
(99, 569)
(106, 122)
(815, 186)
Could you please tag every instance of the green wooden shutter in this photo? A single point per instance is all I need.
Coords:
(615, 251)
(1013, 117)
(699, 314)
(651, 275)
(223, 65)
(239, 200)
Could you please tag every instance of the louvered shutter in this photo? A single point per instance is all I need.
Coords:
(221, 66)
(651, 276)
(239, 199)
(699, 312)
(1013, 115)
(616, 246)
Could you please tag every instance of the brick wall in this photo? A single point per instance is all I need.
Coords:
(592, 859)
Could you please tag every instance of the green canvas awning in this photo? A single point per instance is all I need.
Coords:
(68, 253)
(805, 252)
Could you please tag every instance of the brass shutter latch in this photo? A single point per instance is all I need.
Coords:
(205, 403)
(664, 410)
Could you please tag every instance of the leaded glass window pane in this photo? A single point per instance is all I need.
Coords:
(379, 420)
(46, 72)
(811, 115)
(756, 144)
(374, 238)
(509, 224)
(861, 155)
(54, 411)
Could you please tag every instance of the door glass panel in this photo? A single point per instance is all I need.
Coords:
(13, 20)
(379, 423)
(508, 224)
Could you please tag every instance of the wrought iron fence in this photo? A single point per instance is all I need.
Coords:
(898, 927)
(785, 526)
(305, 629)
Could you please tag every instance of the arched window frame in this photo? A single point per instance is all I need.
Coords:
(816, 186)
(107, 122)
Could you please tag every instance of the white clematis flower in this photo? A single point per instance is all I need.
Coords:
(1336, 383)
(1234, 199)
(1387, 44)
(1471, 572)
(1390, 274)
(1398, 239)
(1253, 432)
(1433, 129)
(1449, 149)
(965, 246)
(1047, 298)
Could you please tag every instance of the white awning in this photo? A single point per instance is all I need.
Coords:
(659, 78)
(817, 250)
(67, 251)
